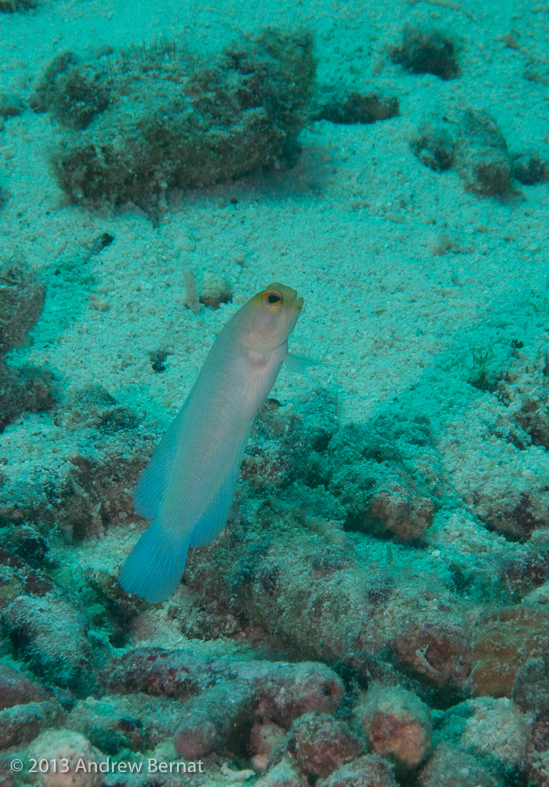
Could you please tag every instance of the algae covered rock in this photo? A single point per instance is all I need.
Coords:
(208, 723)
(492, 729)
(427, 51)
(134, 722)
(529, 168)
(26, 708)
(455, 768)
(215, 290)
(146, 120)
(21, 301)
(378, 490)
(482, 159)
(22, 723)
(11, 6)
(73, 92)
(478, 151)
(281, 691)
(28, 389)
(74, 751)
(397, 723)
(51, 636)
(10, 104)
(367, 771)
(435, 147)
(17, 689)
(163, 689)
(90, 486)
(320, 744)
(22, 295)
(338, 105)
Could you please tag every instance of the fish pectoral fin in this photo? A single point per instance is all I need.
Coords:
(154, 567)
(213, 520)
(299, 364)
(150, 486)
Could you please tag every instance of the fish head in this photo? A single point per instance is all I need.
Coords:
(270, 317)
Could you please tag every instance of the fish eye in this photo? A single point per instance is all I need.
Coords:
(272, 299)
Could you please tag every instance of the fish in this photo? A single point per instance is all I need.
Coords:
(188, 485)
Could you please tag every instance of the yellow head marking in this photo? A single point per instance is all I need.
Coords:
(269, 317)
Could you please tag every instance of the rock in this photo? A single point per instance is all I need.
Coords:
(367, 771)
(529, 168)
(264, 738)
(114, 723)
(25, 390)
(17, 689)
(538, 765)
(320, 744)
(22, 295)
(436, 647)
(222, 700)
(281, 692)
(200, 123)
(21, 301)
(50, 636)
(213, 719)
(376, 485)
(522, 388)
(504, 642)
(339, 105)
(17, 578)
(11, 6)
(215, 291)
(482, 157)
(494, 730)
(531, 687)
(69, 746)
(10, 104)
(435, 147)
(25, 542)
(397, 723)
(283, 775)
(525, 574)
(20, 724)
(88, 485)
(455, 768)
(427, 51)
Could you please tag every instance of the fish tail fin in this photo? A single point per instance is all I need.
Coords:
(154, 567)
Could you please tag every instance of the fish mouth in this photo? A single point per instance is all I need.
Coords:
(293, 302)
(293, 308)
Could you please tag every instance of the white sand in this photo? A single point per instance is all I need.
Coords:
(353, 227)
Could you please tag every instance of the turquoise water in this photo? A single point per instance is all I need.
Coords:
(273, 460)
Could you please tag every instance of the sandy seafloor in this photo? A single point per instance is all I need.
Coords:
(353, 228)
(357, 227)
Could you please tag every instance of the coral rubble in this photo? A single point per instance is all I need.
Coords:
(369, 651)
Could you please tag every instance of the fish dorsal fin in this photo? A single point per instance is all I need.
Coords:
(212, 521)
(150, 486)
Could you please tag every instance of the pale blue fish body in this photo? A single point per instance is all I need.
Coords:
(187, 487)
